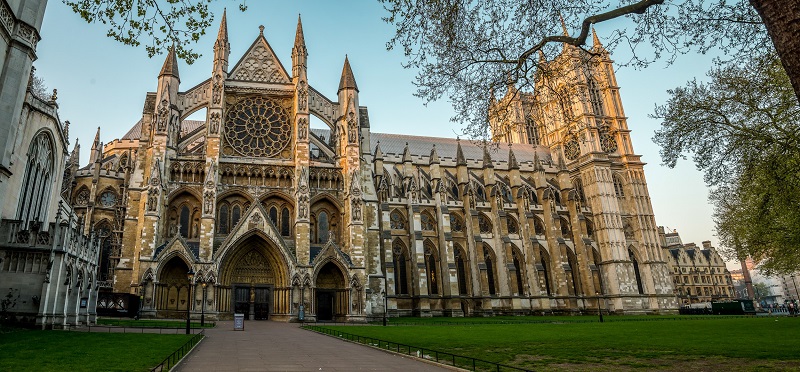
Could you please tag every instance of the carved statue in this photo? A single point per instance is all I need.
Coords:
(163, 116)
(302, 129)
(302, 96)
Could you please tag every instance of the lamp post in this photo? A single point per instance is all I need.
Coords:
(203, 307)
(190, 275)
(599, 311)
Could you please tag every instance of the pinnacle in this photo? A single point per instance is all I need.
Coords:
(348, 81)
(170, 64)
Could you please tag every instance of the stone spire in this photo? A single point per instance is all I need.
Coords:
(222, 47)
(95, 146)
(434, 158)
(348, 81)
(562, 166)
(170, 67)
(487, 159)
(460, 159)
(512, 160)
(378, 152)
(66, 130)
(299, 39)
(537, 164)
(299, 52)
(74, 156)
(406, 154)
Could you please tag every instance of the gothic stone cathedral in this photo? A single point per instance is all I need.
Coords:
(273, 215)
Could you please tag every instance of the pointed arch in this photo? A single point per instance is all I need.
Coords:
(574, 286)
(400, 259)
(619, 188)
(489, 260)
(34, 196)
(462, 269)
(517, 270)
(432, 267)
(456, 223)
(632, 254)
(543, 268)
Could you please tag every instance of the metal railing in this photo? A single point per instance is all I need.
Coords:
(455, 360)
(127, 329)
(176, 356)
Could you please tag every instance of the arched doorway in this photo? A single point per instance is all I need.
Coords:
(331, 295)
(253, 280)
(172, 290)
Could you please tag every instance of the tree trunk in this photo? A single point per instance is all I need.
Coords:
(782, 19)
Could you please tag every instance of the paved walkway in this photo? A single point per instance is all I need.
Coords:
(274, 346)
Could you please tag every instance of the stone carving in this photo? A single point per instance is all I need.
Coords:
(355, 209)
(260, 65)
(162, 116)
(302, 96)
(155, 174)
(213, 123)
(352, 127)
(302, 129)
(216, 94)
(152, 199)
(208, 202)
(256, 218)
(302, 194)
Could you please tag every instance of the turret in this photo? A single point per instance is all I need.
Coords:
(222, 48)
(300, 53)
(348, 103)
(95, 155)
(168, 84)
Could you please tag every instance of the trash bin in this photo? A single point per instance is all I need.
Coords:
(238, 322)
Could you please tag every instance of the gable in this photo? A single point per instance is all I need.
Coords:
(260, 65)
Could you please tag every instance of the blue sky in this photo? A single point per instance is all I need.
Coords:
(103, 83)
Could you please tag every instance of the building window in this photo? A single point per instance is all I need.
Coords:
(223, 219)
(285, 222)
(184, 222)
(487, 257)
(636, 271)
(322, 228)
(35, 195)
(596, 98)
(461, 270)
(531, 131)
(400, 273)
(396, 221)
(427, 222)
(430, 263)
(513, 228)
(456, 224)
(484, 224)
(518, 272)
(618, 189)
(237, 213)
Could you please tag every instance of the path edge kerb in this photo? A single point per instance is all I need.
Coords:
(428, 361)
(189, 353)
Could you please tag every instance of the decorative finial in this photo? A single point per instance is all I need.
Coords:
(261, 30)
(54, 97)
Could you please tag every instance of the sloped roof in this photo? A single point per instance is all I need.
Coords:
(187, 126)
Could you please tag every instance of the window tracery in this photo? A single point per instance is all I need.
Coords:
(484, 224)
(397, 221)
(35, 192)
(456, 224)
(257, 127)
(427, 222)
(513, 228)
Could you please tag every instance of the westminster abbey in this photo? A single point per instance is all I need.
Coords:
(278, 220)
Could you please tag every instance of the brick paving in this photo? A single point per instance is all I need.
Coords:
(275, 346)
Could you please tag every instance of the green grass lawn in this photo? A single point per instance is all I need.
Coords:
(28, 350)
(149, 323)
(710, 344)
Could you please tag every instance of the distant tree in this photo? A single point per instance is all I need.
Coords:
(743, 131)
(467, 50)
(762, 291)
(37, 85)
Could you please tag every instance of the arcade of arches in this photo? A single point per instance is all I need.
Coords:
(283, 221)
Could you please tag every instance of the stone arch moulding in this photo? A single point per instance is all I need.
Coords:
(237, 249)
(322, 107)
(162, 262)
(194, 99)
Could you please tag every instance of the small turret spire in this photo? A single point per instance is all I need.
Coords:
(434, 158)
(75, 154)
(537, 164)
(222, 34)
(562, 166)
(348, 81)
(170, 67)
(406, 154)
(487, 159)
(512, 159)
(299, 39)
(595, 40)
(378, 153)
(460, 159)
(96, 139)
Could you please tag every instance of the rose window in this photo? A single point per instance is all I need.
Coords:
(258, 127)
(572, 149)
(608, 142)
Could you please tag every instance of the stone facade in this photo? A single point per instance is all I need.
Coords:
(47, 264)
(698, 274)
(274, 216)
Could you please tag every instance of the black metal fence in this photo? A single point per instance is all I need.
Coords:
(458, 361)
(123, 329)
(176, 357)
